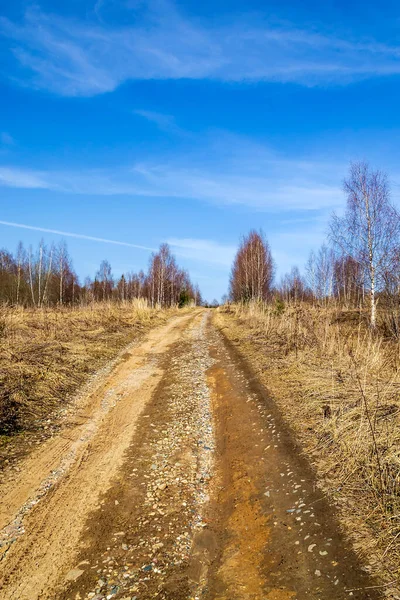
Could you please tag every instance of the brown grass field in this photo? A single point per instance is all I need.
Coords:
(47, 354)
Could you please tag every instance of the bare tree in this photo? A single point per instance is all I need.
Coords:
(7, 276)
(253, 269)
(64, 267)
(40, 271)
(319, 273)
(348, 281)
(30, 270)
(198, 300)
(104, 280)
(165, 281)
(20, 266)
(311, 273)
(369, 229)
(292, 287)
(47, 274)
(122, 288)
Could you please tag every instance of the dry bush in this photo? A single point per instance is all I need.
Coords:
(45, 354)
(337, 384)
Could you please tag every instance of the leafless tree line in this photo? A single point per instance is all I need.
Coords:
(359, 266)
(326, 276)
(46, 277)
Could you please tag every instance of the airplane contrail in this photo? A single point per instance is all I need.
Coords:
(76, 235)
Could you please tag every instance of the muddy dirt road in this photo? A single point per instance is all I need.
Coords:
(175, 478)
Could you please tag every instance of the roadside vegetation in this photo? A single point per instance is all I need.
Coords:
(326, 343)
(46, 354)
(55, 333)
(45, 277)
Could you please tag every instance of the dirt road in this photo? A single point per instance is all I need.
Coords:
(175, 478)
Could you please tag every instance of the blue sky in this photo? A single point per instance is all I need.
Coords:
(150, 121)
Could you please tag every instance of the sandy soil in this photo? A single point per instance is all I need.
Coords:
(175, 478)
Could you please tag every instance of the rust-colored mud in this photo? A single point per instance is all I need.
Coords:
(238, 511)
(246, 526)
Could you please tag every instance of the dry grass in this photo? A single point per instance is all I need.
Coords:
(46, 354)
(337, 385)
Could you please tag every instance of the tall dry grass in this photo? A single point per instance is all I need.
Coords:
(46, 354)
(337, 383)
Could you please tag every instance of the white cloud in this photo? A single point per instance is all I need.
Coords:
(76, 58)
(24, 178)
(98, 182)
(229, 187)
(285, 192)
(203, 250)
(221, 168)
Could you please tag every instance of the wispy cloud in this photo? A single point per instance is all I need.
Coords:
(160, 119)
(164, 122)
(220, 168)
(262, 192)
(101, 182)
(257, 190)
(204, 250)
(76, 58)
(25, 178)
(75, 235)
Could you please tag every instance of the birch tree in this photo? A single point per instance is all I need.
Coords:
(311, 273)
(319, 272)
(40, 271)
(20, 267)
(369, 229)
(63, 263)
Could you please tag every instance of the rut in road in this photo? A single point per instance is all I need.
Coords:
(181, 481)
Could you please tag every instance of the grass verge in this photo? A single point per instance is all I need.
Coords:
(47, 354)
(337, 385)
